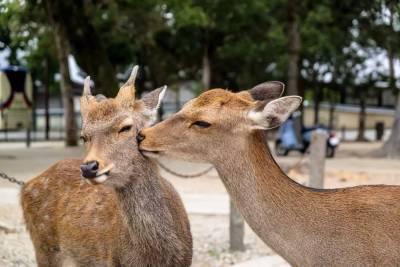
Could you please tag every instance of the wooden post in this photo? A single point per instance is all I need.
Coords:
(46, 100)
(317, 159)
(343, 137)
(28, 137)
(236, 229)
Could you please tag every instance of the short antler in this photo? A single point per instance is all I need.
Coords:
(127, 91)
(86, 86)
(132, 77)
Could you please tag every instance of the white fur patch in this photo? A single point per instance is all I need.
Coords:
(127, 121)
(256, 116)
(101, 179)
(274, 112)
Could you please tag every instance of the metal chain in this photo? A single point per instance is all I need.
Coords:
(11, 179)
(165, 168)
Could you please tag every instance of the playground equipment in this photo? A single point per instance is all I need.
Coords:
(15, 98)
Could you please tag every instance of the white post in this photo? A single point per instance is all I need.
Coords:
(236, 229)
(317, 159)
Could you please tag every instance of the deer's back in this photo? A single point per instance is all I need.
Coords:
(355, 226)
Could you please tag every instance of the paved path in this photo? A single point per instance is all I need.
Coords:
(9, 196)
(267, 261)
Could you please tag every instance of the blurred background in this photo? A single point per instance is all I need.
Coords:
(342, 57)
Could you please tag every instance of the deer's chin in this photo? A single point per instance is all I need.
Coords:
(101, 178)
(150, 154)
(98, 179)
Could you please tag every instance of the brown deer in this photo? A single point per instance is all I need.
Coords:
(122, 213)
(356, 226)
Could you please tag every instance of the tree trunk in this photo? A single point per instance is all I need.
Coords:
(331, 123)
(236, 229)
(62, 45)
(294, 48)
(71, 137)
(84, 41)
(106, 80)
(206, 70)
(317, 101)
(361, 119)
(391, 148)
(46, 99)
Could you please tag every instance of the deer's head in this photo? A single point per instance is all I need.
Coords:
(109, 128)
(210, 124)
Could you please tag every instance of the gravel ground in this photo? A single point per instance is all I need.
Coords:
(210, 234)
(16, 249)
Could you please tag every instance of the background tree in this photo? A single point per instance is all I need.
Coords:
(386, 27)
(320, 49)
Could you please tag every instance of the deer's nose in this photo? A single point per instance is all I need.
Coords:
(140, 137)
(89, 169)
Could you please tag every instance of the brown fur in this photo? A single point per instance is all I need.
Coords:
(341, 227)
(135, 218)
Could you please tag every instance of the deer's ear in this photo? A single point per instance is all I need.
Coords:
(267, 91)
(152, 101)
(268, 115)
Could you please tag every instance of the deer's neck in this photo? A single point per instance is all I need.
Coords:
(271, 202)
(146, 214)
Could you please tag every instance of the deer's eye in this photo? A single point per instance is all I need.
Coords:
(201, 124)
(126, 128)
(83, 138)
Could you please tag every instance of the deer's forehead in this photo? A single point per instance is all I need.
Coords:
(109, 109)
(98, 111)
(219, 99)
(107, 123)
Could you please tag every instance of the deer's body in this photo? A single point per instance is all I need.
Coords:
(356, 226)
(72, 221)
(341, 227)
(124, 214)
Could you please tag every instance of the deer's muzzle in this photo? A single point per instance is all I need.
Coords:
(89, 169)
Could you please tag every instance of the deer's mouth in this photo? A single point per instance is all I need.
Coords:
(102, 175)
(150, 153)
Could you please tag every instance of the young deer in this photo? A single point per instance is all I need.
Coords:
(127, 215)
(356, 226)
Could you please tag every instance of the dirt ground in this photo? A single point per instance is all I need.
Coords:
(352, 166)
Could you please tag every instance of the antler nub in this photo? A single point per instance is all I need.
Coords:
(132, 77)
(86, 86)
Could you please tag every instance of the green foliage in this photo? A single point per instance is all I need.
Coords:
(246, 42)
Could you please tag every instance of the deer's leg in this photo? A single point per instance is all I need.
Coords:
(46, 258)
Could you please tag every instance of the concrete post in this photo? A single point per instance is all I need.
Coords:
(236, 229)
(317, 158)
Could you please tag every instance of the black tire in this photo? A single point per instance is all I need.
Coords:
(280, 150)
(330, 151)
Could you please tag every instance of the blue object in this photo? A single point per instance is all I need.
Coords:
(288, 135)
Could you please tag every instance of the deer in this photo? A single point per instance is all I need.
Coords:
(357, 226)
(112, 208)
